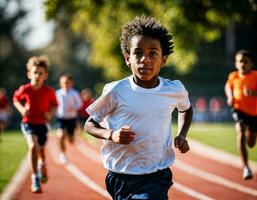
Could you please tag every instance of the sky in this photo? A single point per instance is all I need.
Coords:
(41, 32)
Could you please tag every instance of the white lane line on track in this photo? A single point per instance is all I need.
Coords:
(92, 154)
(16, 181)
(88, 152)
(218, 155)
(215, 179)
(87, 181)
(191, 192)
(71, 168)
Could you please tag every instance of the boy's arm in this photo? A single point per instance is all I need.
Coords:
(49, 115)
(22, 109)
(229, 95)
(122, 136)
(184, 122)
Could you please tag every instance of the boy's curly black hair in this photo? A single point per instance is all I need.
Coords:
(147, 26)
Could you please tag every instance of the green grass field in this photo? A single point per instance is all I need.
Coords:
(222, 136)
(12, 150)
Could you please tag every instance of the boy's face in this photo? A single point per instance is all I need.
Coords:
(65, 83)
(145, 58)
(37, 75)
(243, 64)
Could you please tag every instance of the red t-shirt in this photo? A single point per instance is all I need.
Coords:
(39, 101)
(82, 111)
(3, 102)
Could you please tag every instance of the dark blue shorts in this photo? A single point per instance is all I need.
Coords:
(249, 120)
(68, 124)
(152, 186)
(38, 130)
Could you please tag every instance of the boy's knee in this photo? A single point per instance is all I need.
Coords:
(251, 143)
(32, 146)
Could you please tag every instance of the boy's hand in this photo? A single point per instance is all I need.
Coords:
(25, 112)
(124, 135)
(48, 116)
(230, 101)
(181, 143)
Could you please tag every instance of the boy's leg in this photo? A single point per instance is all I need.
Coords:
(32, 153)
(251, 132)
(42, 171)
(33, 162)
(61, 134)
(42, 139)
(241, 144)
(71, 129)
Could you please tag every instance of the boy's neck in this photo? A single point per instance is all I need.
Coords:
(37, 86)
(244, 73)
(146, 84)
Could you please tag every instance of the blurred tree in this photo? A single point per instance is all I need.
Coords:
(190, 22)
(13, 56)
(68, 54)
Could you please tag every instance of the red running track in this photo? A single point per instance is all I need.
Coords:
(195, 177)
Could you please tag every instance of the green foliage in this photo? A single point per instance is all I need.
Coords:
(12, 151)
(12, 55)
(190, 22)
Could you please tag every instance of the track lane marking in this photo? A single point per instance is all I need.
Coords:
(92, 154)
(191, 192)
(216, 179)
(78, 174)
(86, 180)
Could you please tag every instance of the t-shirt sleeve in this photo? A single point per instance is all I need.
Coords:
(18, 94)
(183, 101)
(103, 106)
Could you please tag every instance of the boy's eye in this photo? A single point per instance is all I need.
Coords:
(153, 53)
(138, 53)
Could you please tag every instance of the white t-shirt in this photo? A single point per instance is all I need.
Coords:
(148, 112)
(69, 102)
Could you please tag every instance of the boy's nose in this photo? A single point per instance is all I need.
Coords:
(145, 59)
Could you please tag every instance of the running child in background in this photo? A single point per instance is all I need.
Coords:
(4, 110)
(134, 116)
(37, 104)
(241, 92)
(87, 100)
(67, 112)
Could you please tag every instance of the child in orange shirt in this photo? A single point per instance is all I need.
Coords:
(241, 92)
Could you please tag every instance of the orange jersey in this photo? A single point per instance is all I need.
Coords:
(237, 83)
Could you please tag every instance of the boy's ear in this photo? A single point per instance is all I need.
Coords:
(127, 60)
(46, 76)
(28, 75)
(164, 60)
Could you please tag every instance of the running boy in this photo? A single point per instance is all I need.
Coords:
(87, 100)
(37, 104)
(67, 112)
(4, 110)
(134, 116)
(241, 92)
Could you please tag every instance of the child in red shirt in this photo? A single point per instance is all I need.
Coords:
(4, 109)
(86, 96)
(37, 104)
(241, 92)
